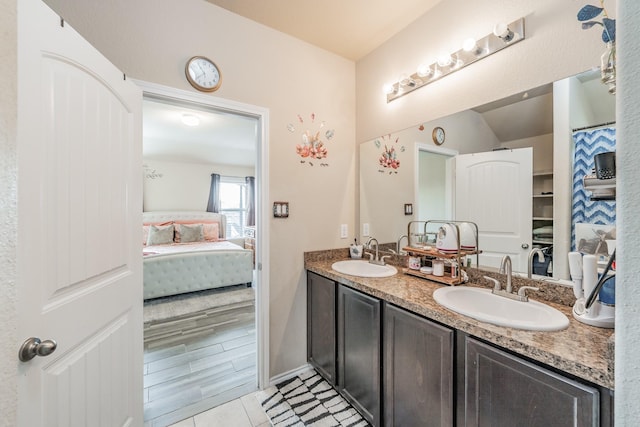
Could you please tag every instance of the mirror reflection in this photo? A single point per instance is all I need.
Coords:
(527, 207)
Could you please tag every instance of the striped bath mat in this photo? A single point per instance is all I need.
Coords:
(308, 400)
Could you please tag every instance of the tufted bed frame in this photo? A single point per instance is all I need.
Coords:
(176, 273)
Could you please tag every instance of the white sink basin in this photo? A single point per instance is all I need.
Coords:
(363, 268)
(482, 305)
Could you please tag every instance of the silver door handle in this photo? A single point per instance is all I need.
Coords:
(33, 347)
(525, 246)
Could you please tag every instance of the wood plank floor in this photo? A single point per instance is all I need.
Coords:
(198, 361)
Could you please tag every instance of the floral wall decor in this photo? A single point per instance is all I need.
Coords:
(389, 157)
(314, 138)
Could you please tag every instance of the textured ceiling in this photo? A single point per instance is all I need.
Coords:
(349, 28)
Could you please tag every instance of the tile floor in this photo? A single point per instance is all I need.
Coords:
(243, 412)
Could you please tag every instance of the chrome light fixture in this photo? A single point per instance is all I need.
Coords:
(502, 36)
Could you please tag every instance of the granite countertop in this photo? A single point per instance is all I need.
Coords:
(581, 350)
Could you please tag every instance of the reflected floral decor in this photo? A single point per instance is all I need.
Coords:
(587, 15)
(312, 146)
(389, 157)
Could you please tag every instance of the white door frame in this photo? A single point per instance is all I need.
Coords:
(262, 190)
(450, 176)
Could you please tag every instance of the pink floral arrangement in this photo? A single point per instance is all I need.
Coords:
(388, 158)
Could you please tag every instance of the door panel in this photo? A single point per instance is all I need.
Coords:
(359, 341)
(79, 211)
(494, 190)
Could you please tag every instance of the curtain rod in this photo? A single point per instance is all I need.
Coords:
(595, 126)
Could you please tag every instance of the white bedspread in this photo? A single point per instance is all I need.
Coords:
(154, 250)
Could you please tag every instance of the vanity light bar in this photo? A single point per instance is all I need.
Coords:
(502, 37)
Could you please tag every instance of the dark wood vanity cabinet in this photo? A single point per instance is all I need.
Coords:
(498, 389)
(418, 371)
(359, 341)
(321, 326)
(400, 369)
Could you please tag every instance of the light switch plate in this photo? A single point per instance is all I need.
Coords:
(365, 229)
(344, 231)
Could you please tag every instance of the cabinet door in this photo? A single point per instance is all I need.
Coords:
(321, 325)
(418, 371)
(502, 390)
(359, 351)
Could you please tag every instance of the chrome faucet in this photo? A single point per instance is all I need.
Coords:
(531, 255)
(404, 236)
(505, 268)
(376, 259)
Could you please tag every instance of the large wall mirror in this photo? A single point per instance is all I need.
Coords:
(411, 167)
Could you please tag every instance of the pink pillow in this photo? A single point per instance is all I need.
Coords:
(211, 232)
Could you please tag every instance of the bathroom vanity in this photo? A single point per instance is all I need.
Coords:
(403, 360)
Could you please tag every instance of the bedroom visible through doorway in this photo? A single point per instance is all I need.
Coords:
(201, 308)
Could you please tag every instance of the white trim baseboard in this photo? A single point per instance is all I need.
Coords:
(289, 374)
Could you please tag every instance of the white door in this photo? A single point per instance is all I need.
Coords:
(79, 215)
(493, 189)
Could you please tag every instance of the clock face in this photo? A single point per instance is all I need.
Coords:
(438, 135)
(203, 74)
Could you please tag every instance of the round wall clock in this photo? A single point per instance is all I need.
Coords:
(438, 135)
(203, 74)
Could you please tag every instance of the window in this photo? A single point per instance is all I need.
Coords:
(233, 204)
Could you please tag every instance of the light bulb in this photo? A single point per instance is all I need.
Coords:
(444, 60)
(469, 45)
(502, 31)
(388, 89)
(424, 70)
(190, 120)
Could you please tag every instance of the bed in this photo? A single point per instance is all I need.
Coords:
(186, 251)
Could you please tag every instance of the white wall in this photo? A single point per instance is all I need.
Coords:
(542, 150)
(150, 40)
(628, 205)
(182, 186)
(8, 213)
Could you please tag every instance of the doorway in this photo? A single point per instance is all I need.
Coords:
(232, 360)
(434, 182)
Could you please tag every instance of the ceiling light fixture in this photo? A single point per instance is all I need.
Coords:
(190, 120)
(503, 36)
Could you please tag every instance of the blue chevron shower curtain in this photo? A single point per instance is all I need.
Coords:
(588, 143)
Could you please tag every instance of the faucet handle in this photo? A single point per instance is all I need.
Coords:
(370, 255)
(382, 258)
(522, 292)
(496, 283)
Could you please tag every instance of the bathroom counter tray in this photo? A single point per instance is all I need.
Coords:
(446, 280)
(437, 254)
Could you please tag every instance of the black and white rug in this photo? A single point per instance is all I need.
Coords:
(308, 400)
